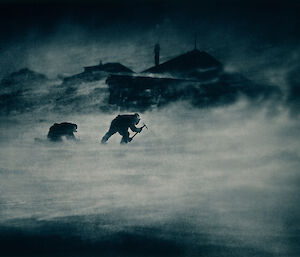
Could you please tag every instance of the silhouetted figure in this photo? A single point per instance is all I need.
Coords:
(156, 54)
(58, 130)
(121, 124)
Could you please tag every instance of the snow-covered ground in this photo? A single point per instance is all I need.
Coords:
(223, 177)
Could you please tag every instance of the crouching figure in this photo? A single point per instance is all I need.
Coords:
(58, 130)
(121, 124)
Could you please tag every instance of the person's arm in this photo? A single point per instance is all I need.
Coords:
(135, 129)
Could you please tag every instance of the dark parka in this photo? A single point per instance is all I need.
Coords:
(121, 124)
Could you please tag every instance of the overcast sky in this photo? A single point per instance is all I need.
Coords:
(61, 38)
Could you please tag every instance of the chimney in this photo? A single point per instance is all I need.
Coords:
(156, 54)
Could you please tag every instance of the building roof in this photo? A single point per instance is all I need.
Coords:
(113, 67)
(191, 60)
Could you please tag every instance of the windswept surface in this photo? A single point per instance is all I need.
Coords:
(213, 182)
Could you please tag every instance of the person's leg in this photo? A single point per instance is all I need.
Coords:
(125, 137)
(70, 136)
(108, 135)
(54, 138)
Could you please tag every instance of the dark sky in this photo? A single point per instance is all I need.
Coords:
(18, 16)
(62, 30)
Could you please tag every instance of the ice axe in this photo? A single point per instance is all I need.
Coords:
(144, 126)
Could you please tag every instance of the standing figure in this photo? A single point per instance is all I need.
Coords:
(121, 124)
